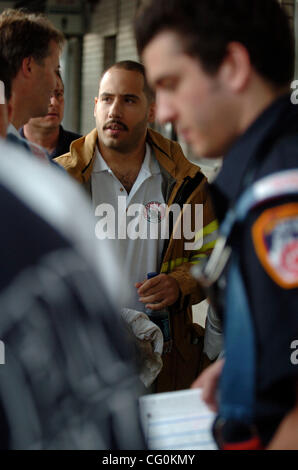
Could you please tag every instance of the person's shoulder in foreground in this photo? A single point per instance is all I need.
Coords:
(68, 381)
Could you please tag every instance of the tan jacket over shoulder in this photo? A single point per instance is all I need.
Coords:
(183, 183)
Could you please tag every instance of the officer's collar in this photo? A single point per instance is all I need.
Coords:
(227, 186)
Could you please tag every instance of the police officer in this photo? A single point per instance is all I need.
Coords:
(222, 73)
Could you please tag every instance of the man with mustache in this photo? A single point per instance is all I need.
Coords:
(65, 362)
(47, 131)
(122, 158)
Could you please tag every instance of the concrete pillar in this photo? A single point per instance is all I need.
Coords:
(71, 74)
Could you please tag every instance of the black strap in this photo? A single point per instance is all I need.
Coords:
(186, 189)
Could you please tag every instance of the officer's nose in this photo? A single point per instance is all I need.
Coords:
(165, 110)
(115, 110)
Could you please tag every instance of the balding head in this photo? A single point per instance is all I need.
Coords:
(133, 66)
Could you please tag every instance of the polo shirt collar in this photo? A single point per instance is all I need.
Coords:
(150, 164)
(100, 164)
(149, 167)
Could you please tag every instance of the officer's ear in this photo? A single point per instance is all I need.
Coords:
(235, 70)
(27, 66)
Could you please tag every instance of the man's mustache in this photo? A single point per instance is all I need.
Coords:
(115, 123)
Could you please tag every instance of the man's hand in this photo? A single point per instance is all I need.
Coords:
(208, 382)
(285, 438)
(159, 292)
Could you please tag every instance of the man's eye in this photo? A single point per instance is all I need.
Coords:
(129, 100)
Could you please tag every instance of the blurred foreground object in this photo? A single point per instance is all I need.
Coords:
(68, 381)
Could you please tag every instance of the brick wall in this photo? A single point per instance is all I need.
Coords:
(289, 6)
(110, 17)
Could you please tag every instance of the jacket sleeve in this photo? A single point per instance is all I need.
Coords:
(200, 247)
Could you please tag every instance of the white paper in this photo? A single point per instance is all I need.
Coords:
(177, 420)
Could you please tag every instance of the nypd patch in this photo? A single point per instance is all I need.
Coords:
(275, 238)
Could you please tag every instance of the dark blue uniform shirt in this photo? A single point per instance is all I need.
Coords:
(269, 145)
(64, 141)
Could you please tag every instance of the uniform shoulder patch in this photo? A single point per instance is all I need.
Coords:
(275, 238)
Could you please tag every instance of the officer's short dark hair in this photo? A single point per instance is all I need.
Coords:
(206, 27)
(24, 35)
(134, 66)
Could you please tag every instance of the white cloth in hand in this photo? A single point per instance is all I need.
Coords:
(149, 341)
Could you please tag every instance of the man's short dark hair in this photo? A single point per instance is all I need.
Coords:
(133, 66)
(26, 35)
(206, 27)
(5, 78)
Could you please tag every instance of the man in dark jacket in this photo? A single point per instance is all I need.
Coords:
(222, 72)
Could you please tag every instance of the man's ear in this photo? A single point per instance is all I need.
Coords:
(95, 106)
(152, 112)
(236, 68)
(27, 66)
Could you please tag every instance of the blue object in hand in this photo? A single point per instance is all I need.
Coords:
(160, 317)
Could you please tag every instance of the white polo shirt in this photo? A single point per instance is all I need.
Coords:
(131, 220)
